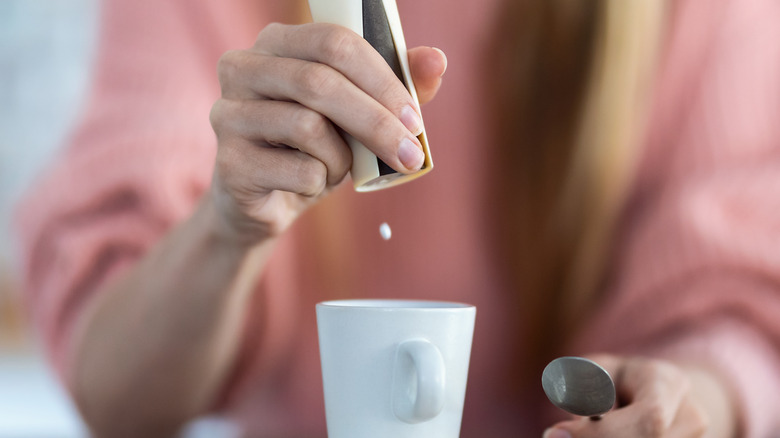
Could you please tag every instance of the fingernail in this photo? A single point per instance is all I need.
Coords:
(443, 56)
(411, 120)
(556, 433)
(410, 154)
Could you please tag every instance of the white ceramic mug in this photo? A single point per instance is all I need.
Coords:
(394, 369)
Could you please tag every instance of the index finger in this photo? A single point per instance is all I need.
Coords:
(344, 51)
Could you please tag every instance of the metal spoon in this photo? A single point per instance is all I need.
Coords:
(579, 386)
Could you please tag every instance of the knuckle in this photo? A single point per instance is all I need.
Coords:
(229, 66)
(383, 123)
(269, 29)
(312, 127)
(700, 427)
(317, 81)
(270, 33)
(217, 116)
(343, 166)
(224, 116)
(670, 374)
(393, 94)
(311, 175)
(653, 423)
(339, 45)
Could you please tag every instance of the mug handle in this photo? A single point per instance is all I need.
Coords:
(418, 381)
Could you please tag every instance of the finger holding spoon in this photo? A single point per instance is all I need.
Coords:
(655, 402)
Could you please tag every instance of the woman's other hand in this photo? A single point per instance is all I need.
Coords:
(284, 102)
(657, 399)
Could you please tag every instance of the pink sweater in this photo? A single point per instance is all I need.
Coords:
(698, 267)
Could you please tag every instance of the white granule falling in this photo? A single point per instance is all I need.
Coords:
(385, 231)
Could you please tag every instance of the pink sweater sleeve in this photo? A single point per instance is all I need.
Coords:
(699, 256)
(138, 161)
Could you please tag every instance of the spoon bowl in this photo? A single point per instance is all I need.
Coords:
(579, 386)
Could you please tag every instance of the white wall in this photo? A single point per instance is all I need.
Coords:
(46, 51)
(46, 47)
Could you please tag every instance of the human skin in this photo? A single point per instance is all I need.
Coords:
(660, 399)
(144, 360)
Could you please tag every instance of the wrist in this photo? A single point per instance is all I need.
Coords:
(228, 229)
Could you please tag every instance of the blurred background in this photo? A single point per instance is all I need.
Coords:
(46, 55)
(46, 50)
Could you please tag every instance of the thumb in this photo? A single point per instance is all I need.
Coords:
(427, 65)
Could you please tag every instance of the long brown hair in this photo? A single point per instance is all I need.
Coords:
(568, 82)
(569, 88)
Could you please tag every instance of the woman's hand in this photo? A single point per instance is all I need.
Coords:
(283, 103)
(657, 399)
